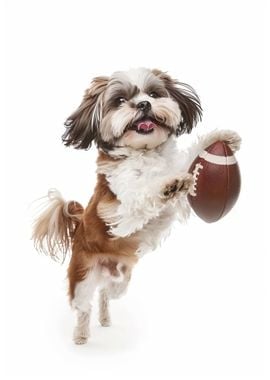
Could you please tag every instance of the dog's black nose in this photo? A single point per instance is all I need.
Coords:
(144, 106)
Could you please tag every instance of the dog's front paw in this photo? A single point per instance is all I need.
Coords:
(183, 184)
(230, 137)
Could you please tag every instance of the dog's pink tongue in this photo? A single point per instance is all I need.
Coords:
(146, 125)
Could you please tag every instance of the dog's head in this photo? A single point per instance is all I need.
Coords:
(139, 108)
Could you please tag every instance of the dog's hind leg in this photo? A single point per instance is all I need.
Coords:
(82, 330)
(82, 301)
(104, 315)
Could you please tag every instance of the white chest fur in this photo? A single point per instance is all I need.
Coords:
(137, 181)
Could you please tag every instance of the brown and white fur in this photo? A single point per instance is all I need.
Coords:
(134, 118)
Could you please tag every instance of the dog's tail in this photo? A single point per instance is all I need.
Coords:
(55, 225)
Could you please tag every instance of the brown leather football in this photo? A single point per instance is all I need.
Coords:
(217, 182)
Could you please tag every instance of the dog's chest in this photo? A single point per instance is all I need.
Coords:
(137, 173)
(138, 182)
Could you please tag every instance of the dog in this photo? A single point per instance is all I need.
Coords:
(134, 117)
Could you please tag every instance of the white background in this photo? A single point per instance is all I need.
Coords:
(197, 308)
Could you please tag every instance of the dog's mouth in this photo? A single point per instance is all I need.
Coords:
(144, 127)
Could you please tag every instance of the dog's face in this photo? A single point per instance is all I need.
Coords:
(139, 108)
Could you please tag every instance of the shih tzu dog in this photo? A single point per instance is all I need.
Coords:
(134, 118)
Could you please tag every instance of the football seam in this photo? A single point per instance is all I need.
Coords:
(196, 173)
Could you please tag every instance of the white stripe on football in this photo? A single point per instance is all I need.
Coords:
(218, 160)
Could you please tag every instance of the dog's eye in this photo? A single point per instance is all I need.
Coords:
(154, 95)
(120, 100)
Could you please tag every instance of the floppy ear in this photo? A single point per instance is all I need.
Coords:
(82, 126)
(187, 99)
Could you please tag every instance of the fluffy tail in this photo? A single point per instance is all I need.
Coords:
(55, 225)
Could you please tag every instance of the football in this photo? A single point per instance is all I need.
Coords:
(216, 182)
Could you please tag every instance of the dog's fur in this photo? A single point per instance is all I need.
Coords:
(134, 118)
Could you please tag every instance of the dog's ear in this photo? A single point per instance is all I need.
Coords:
(187, 99)
(83, 125)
